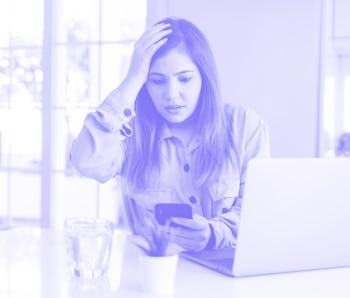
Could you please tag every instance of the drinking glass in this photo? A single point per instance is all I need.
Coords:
(90, 242)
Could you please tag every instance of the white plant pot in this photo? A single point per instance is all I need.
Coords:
(157, 274)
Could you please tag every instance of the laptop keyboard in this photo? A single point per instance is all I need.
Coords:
(223, 256)
(221, 253)
(227, 263)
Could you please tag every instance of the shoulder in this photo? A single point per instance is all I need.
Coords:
(249, 132)
(243, 117)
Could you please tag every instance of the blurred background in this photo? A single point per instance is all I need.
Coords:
(289, 60)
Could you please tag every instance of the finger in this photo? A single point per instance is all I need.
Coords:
(185, 244)
(156, 38)
(154, 47)
(150, 33)
(189, 223)
(179, 232)
(156, 28)
(185, 233)
(189, 243)
(188, 238)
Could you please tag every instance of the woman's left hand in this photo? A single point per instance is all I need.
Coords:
(191, 234)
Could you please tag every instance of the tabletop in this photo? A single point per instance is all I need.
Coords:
(34, 263)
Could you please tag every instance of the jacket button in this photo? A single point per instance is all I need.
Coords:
(127, 112)
(186, 167)
(225, 210)
(192, 200)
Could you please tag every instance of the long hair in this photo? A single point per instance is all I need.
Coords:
(213, 127)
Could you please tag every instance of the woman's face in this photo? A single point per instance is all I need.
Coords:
(174, 84)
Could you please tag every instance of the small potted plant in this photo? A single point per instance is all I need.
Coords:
(157, 265)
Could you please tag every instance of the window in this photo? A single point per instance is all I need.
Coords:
(335, 114)
(58, 60)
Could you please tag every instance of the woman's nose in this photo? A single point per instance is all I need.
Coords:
(171, 90)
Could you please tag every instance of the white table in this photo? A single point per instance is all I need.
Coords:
(33, 263)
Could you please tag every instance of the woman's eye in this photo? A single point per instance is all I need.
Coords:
(184, 79)
(156, 81)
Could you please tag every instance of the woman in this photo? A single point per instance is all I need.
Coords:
(167, 133)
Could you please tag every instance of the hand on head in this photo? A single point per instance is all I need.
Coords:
(150, 41)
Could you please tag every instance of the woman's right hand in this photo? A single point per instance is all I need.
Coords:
(150, 41)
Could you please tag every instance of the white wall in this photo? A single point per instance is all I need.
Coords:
(341, 19)
(268, 56)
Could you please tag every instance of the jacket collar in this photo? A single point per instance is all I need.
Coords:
(166, 133)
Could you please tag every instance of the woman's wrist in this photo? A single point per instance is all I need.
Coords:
(129, 89)
(115, 112)
(211, 241)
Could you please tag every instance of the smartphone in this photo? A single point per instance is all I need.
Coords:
(165, 211)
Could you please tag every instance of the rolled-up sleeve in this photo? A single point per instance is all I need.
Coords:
(98, 151)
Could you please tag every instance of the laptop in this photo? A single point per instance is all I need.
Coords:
(295, 216)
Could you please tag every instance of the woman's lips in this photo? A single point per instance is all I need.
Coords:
(174, 108)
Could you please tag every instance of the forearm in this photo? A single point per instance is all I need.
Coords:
(225, 228)
(98, 151)
(95, 153)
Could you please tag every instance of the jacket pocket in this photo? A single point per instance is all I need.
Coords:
(223, 193)
(149, 197)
